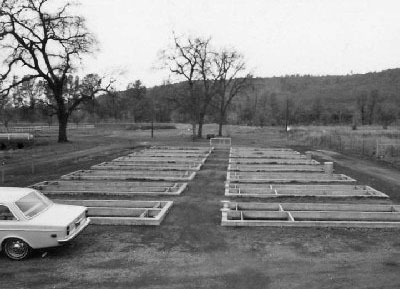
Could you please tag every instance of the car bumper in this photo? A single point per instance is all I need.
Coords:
(76, 233)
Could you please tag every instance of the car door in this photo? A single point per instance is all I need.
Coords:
(7, 221)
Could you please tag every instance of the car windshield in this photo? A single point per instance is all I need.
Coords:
(33, 204)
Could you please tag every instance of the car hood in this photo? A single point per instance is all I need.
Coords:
(58, 215)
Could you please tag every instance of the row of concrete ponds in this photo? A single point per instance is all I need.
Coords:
(284, 173)
(157, 171)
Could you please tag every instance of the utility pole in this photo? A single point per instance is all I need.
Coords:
(93, 110)
(152, 115)
(287, 114)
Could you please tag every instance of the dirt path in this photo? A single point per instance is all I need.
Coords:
(367, 172)
(45, 167)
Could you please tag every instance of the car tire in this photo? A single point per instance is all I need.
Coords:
(16, 249)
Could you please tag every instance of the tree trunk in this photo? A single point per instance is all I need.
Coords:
(62, 127)
(193, 130)
(220, 128)
(221, 122)
(200, 129)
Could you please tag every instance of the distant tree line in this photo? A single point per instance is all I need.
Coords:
(257, 104)
(372, 98)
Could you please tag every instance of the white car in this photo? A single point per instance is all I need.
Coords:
(29, 220)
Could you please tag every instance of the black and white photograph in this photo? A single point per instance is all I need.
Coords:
(175, 144)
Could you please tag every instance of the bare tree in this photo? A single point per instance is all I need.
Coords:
(211, 76)
(231, 81)
(182, 60)
(208, 74)
(47, 41)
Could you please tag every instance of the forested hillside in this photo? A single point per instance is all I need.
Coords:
(360, 98)
(370, 98)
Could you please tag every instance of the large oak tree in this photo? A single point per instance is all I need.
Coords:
(46, 41)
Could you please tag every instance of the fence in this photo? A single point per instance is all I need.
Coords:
(386, 148)
(38, 130)
(373, 143)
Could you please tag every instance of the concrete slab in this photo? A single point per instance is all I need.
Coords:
(310, 215)
(123, 212)
(285, 191)
(127, 175)
(110, 188)
(287, 177)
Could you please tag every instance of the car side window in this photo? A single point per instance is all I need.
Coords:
(6, 214)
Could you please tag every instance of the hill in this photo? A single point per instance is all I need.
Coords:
(333, 98)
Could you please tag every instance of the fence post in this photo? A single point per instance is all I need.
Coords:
(377, 148)
(363, 149)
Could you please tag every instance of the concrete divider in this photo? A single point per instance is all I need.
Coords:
(287, 177)
(177, 148)
(130, 175)
(275, 161)
(180, 154)
(276, 168)
(143, 166)
(123, 212)
(110, 188)
(168, 159)
(255, 149)
(268, 155)
(220, 142)
(268, 190)
(310, 215)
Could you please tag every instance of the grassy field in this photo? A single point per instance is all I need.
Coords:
(190, 249)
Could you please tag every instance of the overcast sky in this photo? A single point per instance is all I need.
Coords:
(277, 37)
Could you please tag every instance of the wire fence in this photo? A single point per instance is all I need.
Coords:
(380, 144)
(44, 130)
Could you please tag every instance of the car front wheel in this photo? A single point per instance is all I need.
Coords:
(16, 249)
